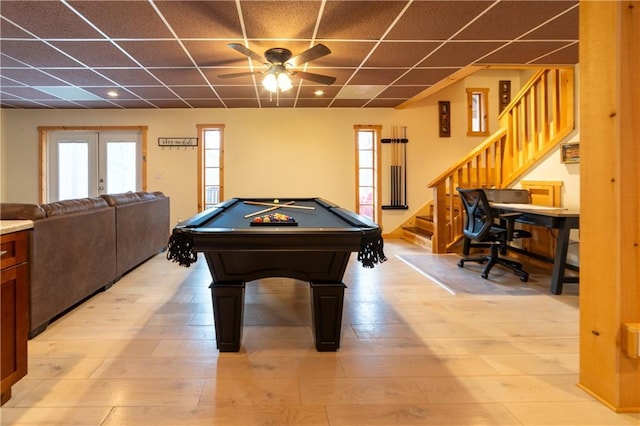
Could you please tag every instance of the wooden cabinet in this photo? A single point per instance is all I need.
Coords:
(14, 286)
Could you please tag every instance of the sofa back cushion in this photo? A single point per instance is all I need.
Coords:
(130, 197)
(73, 206)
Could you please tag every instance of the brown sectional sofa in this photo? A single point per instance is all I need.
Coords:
(79, 247)
(139, 217)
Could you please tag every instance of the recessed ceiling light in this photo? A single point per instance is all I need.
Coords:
(112, 94)
(319, 92)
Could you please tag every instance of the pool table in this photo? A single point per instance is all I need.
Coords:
(314, 246)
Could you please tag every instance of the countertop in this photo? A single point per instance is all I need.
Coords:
(8, 226)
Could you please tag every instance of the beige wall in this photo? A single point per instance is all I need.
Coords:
(269, 152)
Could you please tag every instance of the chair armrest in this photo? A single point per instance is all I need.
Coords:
(510, 218)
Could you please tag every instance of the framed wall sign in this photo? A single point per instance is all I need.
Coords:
(505, 93)
(444, 119)
(570, 153)
(177, 141)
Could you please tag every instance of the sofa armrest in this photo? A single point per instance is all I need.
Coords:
(21, 211)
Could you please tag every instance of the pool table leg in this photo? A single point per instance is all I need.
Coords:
(326, 304)
(228, 306)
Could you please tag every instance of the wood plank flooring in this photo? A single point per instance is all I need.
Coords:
(412, 353)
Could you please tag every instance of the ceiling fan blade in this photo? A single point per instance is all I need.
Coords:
(239, 74)
(247, 52)
(317, 51)
(318, 78)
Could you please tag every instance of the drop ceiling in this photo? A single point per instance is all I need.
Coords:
(169, 54)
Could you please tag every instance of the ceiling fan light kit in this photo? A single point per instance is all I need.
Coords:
(277, 80)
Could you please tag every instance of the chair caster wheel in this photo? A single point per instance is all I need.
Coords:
(485, 276)
(461, 264)
(524, 279)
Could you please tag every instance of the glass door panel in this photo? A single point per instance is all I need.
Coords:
(118, 166)
(70, 173)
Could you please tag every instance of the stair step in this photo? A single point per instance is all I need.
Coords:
(418, 236)
(419, 231)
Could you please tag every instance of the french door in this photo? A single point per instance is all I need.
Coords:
(86, 164)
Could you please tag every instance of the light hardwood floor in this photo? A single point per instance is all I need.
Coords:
(412, 353)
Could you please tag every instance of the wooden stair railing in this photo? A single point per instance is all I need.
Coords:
(540, 116)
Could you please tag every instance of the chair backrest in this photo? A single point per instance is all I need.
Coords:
(479, 216)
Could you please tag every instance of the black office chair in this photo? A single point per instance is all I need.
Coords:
(483, 225)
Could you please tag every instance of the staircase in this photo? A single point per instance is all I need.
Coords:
(539, 117)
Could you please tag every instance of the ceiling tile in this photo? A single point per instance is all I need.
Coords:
(129, 76)
(157, 53)
(48, 19)
(79, 77)
(95, 53)
(568, 55)
(425, 76)
(511, 19)
(205, 103)
(215, 53)
(202, 19)
(400, 54)
(9, 30)
(313, 102)
(30, 76)
(345, 54)
(348, 103)
(381, 76)
(148, 92)
(522, 52)
(401, 92)
(237, 92)
(280, 19)
(179, 76)
(37, 54)
(358, 20)
(563, 27)
(28, 93)
(123, 19)
(436, 20)
(132, 103)
(169, 103)
(196, 92)
(242, 103)
(460, 54)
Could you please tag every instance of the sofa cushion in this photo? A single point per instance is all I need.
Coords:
(73, 206)
(21, 211)
(131, 197)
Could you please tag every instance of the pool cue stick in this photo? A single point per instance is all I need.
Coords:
(396, 165)
(393, 165)
(288, 205)
(404, 166)
(266, 210)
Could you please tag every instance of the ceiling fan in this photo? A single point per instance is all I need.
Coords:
(280, 66)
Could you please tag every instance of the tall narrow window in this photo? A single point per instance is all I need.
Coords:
(210, 166)
(368, 171)
(478, 111)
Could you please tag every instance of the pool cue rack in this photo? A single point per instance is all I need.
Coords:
(398, 171)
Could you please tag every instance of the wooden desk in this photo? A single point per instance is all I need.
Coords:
(550, 217)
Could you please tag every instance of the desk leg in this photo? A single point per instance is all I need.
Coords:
(560, 259)
(326, 304)
(228, 307)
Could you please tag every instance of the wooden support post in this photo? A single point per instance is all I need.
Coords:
(610, 200)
